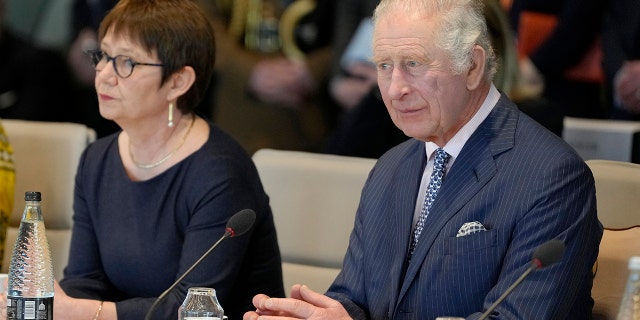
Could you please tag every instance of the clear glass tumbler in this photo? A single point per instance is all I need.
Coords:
(201, 304)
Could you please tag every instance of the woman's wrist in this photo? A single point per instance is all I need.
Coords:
(99, 309)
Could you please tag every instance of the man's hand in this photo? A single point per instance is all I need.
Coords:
(79, 61)
(626, 86)
(530, 84)
(281, 81)
(303, 304)
(348, 91)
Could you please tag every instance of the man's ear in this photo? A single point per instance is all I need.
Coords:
(478, 65)
(180, 82)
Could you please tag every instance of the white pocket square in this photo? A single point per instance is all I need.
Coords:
(470, 228)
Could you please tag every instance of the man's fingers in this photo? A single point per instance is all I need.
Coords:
(258, 300)
(316, 298)
(250, 316)
(291, 307)
(266, 305)
(295, 292)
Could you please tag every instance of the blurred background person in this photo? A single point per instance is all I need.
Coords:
(353, 75)
(349, 81)
(289, 81)
(85, 20)
(559, 56)
(621, 60)
(35, 81)
(152, 198)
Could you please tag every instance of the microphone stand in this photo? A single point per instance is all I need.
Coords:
(161, 297)
(531, 268)
(546, 254)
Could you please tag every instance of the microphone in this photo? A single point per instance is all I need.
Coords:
(546, 254)
(237, 225)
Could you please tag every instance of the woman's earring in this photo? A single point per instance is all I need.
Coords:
(170, 115)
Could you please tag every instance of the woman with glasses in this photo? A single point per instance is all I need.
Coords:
(152, 198)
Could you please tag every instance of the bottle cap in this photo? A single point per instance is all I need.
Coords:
(32, 196)
(634, 263)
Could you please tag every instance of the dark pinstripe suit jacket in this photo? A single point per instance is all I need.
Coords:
(524, 184)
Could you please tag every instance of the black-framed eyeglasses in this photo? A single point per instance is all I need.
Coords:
(123, 65)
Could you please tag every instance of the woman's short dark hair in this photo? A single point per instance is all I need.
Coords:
(178, 30)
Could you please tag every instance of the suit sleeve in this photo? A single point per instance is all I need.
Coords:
(348, 288)
(564, 209)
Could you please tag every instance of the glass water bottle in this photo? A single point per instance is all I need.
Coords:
(30, 288)
(630, 305)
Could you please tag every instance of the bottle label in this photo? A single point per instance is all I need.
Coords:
(29, 308)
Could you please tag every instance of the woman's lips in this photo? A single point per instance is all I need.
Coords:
(105, 97)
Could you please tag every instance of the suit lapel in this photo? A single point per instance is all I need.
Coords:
(474, 167)
(409, 175)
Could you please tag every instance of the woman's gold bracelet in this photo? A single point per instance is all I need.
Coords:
(98, 312)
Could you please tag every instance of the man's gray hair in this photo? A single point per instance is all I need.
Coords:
(459, 26)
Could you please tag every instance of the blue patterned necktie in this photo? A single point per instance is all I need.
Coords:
(439, 166)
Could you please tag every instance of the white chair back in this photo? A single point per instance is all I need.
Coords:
(618, 200)
(46, 157)
(314, 198)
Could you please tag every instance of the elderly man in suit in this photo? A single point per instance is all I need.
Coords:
(450, 219)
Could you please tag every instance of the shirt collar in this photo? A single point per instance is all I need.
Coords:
(454, 146)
